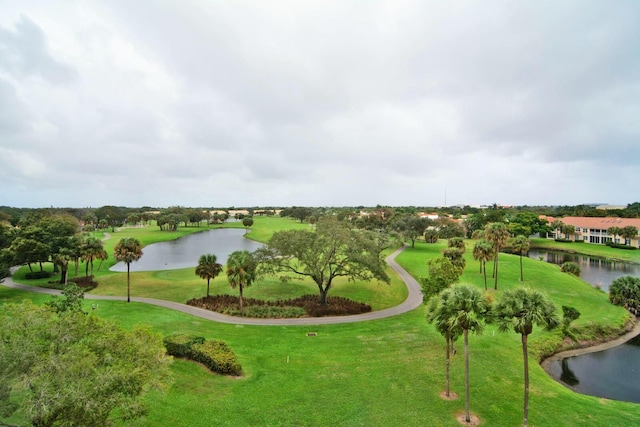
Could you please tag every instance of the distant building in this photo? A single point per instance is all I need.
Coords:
(594, 230)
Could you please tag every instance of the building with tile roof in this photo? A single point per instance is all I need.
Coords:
(594, 230)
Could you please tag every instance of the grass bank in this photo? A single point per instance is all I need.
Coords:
(601, 251)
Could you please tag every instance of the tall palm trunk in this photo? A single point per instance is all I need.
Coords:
(495, 285)
(521, 276)
(484, 270)
(208, 279)
(447, 337)
(128, 285)
(240, 288)
(525, 421)
(466, 376)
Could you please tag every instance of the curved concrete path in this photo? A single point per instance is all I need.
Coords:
(414, 299)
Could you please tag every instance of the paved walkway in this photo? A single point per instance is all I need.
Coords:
(414, 299)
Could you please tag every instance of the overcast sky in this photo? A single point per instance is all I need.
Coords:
(319, 103)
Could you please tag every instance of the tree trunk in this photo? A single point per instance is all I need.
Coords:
(208, 286)
(484, 270)
(521, 276)
(323, 295)
(525, 421)
(240, 287)
(128, 285)
(86, 268)
(466, 376)
(447, 337)
(495, 286)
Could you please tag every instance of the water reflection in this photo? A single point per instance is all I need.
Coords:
(613, 373)
(568, 376)
(599, 272)
(185, 251)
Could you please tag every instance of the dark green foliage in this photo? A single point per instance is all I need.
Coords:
(71, 300)
(442, 274)
(620, 246)
(569, 314)
(456, 256)
(571, 268)
(625, 292)
(32, 275)
(216, 356)
(179, 345)
(311, 305)
(431, 236)
(70, 369)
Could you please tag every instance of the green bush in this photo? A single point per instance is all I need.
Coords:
(266, 312)
(620, 246)
(216, 356)
(37, 275)
(625, 292)
(179, 345)
(571, 268)
(565, 241)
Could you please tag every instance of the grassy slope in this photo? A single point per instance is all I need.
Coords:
(386, 372)
(589, 249)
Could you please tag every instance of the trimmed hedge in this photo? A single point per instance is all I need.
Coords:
(180, 345)
(229, 304)
(215, 355)
(621, 246)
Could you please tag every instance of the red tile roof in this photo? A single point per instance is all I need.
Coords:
(601, 223)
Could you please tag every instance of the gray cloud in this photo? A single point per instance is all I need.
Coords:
(319, 103)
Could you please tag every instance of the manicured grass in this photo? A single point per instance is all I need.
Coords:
(387, 372)
(589, 249)
(378, 373)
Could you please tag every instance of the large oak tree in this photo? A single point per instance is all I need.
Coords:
(332, 251)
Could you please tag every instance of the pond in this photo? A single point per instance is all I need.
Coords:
(613, 373)
(597, 271)
(185, 251)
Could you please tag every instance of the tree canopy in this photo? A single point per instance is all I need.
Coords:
(67, 368)
(332, 251)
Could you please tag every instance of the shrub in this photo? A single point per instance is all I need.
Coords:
(564, 241)
(85, 282)
(625, 292)
(571, 268)
(216, 356)
(229, 304)
(179, 345)
(37, 275)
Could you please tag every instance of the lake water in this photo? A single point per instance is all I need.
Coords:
(597, 271)
(185, 251)
(613, 373)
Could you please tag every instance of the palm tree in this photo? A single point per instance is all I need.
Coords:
(468, 308)
(91, 249)
(521, 245)
(556, 225)
(439, 313)
(519, 309)
(208, 268)
(128, 250)
(241, 271)
(497, 234)
(483, 252)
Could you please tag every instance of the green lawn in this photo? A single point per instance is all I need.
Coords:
(589, 249)
(379, 373)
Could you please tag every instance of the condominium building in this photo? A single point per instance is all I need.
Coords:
(594, 230)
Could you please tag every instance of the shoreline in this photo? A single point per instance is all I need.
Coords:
(621, 339)
(577, 252)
